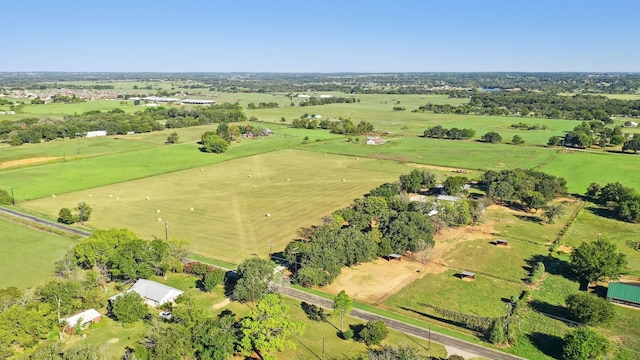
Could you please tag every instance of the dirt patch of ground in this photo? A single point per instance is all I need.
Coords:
(22, 162)
(376, 281)
(565, 249)
(113, 340)
(222, 304)
(369, 281)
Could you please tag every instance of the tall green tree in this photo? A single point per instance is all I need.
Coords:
(129, 307)
(268, 327)
(453, 185)
(590, 309)
(342, 306)
(584, 343)
(254, 275)
(83, 212)
(598, 260)
(214, 144)
(374, 332)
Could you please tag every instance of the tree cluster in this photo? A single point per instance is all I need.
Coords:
(590, 309)
(438, 132)
(83, 212)
(263, 105)
(623, 201)
(372, 226)
(313, 101)
(543, 105)
(532, 189)
(120, 255)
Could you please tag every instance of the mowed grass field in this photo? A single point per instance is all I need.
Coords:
(463, 154)
(132, 158)
(239, 206)
(580, 168)
(28, 255)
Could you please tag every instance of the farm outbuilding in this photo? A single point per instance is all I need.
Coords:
(90, 134)
(468, 275)
(198, 102)
(625, 294)
(394, 257)
(82, 319)
(502, 242)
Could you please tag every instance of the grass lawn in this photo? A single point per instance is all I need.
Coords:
(230, 200)
(309, 344)
(482, 297)
(110, 337)
(28, 255)
(589, 226)
(580, 168)
(79, 108)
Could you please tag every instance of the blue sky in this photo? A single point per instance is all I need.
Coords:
(320, 35)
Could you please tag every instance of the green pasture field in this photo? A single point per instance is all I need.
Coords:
(69, 150)
(79, 108)
(309, 345)
(591, 225)
(231, 200)
(63, 177)
(451, 153)
(28, 254)
(481, 297)
(580, 168)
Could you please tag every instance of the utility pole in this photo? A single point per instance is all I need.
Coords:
(13, 198)
(166, 230)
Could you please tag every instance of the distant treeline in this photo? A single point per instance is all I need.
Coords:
(438, 132)
(340, 126)
(116, 122)
(324, 101)
(544, 105)
(453, 84)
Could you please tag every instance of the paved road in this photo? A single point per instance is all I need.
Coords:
(404, 327)
(446, 340)
(45, 222)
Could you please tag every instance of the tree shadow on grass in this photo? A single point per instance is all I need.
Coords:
(602, 212)
(546, 308)
(442, 320)
(550, 345)
(552, 265)
(530, 218)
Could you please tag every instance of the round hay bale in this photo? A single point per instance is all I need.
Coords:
(201, 169)
(288, 179)
(254, 186)
(267, 215)
(117, 197)
(110, 196)
(89, 195)
(53, 196)
(190, 209)
(344, 180)
(158, 211)
(159, 219)
(249, 175)
(357, 158)
(147, 198)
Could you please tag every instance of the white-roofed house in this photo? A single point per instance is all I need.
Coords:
(153, 293)
(82, 319)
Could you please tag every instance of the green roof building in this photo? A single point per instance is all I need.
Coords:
(625, 294)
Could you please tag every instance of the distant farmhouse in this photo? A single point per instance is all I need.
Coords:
(90, 134)
(375, 140)
(198, 102)
(153, 293)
